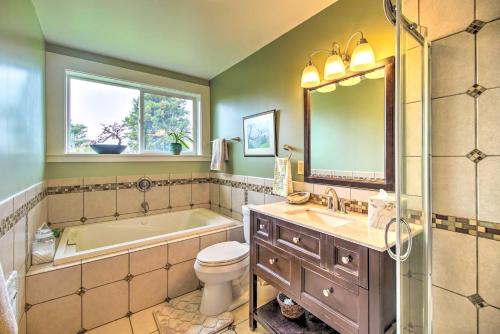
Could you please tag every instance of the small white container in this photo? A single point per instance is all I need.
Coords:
(43, 246)
(381, 209)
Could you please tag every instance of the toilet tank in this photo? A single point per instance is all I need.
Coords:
(245, 209)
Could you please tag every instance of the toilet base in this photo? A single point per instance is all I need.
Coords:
(216, 298)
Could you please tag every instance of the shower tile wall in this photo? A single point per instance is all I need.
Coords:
(465, 82)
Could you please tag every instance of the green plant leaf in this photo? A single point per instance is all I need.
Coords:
(183, 143)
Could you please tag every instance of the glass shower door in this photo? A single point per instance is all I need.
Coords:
(413, 224)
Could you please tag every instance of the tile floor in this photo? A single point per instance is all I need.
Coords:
(143, 322)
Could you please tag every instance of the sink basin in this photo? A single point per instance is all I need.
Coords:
(320, 217)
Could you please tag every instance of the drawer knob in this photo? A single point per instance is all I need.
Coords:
(327, 292)
(261, 226)
(273, 261)
(346, 259)
(296, 240)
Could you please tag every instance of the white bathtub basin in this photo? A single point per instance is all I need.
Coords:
(87, 241)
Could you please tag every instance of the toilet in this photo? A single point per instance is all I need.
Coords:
(223, 268)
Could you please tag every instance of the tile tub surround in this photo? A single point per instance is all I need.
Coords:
(76, 201)
(98, 291)
(20, 216)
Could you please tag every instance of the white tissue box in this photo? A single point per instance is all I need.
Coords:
(381, 209)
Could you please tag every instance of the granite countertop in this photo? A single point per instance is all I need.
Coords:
(352, 227)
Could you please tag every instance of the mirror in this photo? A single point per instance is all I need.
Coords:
(350, 129)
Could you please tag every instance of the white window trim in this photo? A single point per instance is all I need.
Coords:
(143, 155)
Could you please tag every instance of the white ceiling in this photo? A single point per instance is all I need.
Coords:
(196, 37)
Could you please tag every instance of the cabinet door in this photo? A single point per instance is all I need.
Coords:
(273, 264)
(341, 304)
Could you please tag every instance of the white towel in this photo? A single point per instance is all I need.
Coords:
(282, 183)
(8, 323)
(219, 154)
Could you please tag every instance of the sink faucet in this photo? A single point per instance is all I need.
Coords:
(145, 206)
(333, 202)
(332, 199)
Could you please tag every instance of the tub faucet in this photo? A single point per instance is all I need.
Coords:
(145, 206)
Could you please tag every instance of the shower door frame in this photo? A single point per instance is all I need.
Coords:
(394, 14)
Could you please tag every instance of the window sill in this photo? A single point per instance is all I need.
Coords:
(124, 158)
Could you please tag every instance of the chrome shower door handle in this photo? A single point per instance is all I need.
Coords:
(406, 254)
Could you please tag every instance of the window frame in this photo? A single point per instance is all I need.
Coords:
(142, 88)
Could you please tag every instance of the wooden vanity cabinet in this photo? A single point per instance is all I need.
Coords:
(348, 286)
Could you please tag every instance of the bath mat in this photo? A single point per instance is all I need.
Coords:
(182, 315)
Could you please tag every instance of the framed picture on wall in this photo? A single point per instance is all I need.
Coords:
(259, 134)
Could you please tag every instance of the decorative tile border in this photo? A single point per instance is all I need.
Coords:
(57, 190)
(482, 229)
(8, 222)
(488, 230)
(455, 224)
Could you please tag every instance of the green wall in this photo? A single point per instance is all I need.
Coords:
(270, 78)
(22, 147)
(347, 128)
(73, 169)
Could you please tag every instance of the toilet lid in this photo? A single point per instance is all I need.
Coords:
(223, 253)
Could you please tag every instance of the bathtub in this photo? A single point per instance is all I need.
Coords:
(87, 241)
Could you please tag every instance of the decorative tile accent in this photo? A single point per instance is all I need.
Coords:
(476, 155)
(488, 230)
(475, 26)
(475, 91)
(8, 222)
(81, 291)
(477, 300)
(455, 224)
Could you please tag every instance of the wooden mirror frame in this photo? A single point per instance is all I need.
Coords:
(388, 184)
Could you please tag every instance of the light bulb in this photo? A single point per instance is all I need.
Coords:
(327, 88)
(377, 74)
(351, 81)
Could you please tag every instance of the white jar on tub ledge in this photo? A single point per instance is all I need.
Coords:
(43, 246)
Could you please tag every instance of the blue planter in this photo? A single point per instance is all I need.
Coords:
(175, 148)
(108, 148)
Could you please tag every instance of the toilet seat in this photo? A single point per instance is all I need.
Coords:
(223, 254)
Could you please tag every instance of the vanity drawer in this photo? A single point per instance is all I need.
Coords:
(344, 304)
(349, 261)
(274, 263)
(303, 242)
(262, 227)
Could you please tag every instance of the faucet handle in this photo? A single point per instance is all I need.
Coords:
(342, 203)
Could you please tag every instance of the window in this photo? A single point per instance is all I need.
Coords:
(144, 114)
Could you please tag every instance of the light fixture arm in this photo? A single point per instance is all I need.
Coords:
(317, 52)
(350, 39)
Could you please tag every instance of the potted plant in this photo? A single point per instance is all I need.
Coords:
(179, 139)
(111, 131)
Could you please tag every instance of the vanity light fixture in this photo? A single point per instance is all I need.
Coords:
(362, 59)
